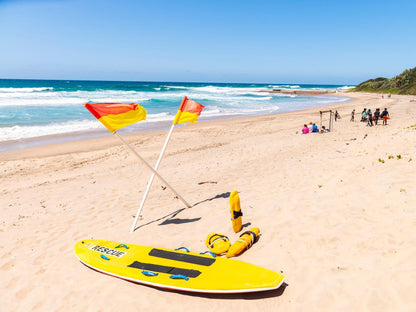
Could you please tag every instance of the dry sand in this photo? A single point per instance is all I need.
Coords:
(339, 223)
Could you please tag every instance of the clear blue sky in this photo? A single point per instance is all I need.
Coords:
(340, 42)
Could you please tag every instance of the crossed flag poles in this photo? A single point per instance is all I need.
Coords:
(118, 115)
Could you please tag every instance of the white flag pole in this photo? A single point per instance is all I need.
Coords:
(153, 170)
(149, 184)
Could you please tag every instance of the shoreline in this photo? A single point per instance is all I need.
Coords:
(332, 208)
(304, 92)
(19, 144)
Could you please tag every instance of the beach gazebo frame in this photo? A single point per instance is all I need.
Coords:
(331, 114)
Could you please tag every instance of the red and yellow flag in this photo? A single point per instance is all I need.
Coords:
(189, 111)
(116, 115)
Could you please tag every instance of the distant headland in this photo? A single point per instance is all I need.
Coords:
(405, 83)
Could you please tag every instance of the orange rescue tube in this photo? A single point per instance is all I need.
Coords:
(245, 241)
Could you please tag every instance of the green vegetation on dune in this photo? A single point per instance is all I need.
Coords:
(405, 83)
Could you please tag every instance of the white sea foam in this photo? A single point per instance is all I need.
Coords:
(172, 87)
(24, 90)
(41, 102)
(24, 132)
(159, 117)
(225, 90)
(69, 97)
(37, 96)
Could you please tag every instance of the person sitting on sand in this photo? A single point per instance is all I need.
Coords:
(310, 127)
(323, 129)
(305, 129)
(314, 128)
(385, 116)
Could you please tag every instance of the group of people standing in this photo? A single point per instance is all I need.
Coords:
(366, 116)
(372, 118)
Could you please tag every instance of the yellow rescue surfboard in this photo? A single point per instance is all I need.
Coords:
(175, 269)
(236, 213)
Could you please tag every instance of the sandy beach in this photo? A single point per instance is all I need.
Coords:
(336, 211)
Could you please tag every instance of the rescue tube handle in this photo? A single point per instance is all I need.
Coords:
(149, 273)
(178, 276)
(205, 252)
(184, 248)
(122, 245)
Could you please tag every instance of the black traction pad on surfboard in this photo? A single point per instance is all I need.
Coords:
(181, 257)
(164, 269)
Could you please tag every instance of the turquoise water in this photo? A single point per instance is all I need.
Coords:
(31, 109)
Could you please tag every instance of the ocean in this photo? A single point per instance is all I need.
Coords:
(35, 112)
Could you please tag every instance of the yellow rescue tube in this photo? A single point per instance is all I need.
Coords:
(244, 242)
(217, 243)
(236, 211)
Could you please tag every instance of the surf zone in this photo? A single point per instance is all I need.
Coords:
(108, 251)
